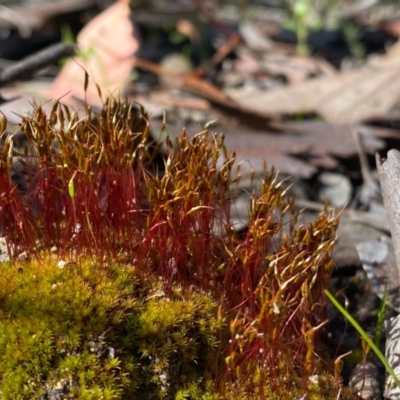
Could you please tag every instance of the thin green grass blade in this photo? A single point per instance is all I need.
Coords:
(380, 319)
(363, 335)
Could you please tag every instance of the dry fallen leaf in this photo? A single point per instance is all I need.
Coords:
(348, 97)
(295, 68)
(107, 44)
(27, 16)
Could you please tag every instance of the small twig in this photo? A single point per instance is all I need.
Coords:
(34, 62)
(370, 188)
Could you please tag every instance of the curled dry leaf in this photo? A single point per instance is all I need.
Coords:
(347, 97)
(107, 44)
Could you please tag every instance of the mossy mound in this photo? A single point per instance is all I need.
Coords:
(88, 331)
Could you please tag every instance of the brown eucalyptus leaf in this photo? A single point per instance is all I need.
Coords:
(323, 138)
(347, 97)
(368, 94)
(107, 44)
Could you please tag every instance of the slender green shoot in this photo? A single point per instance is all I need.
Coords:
(380, 319)
(364, 335)
(71, 192)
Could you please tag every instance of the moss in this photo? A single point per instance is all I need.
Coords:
(163, 299)
(84, 331)
(88, 331)
(59, 329)
(178, 339)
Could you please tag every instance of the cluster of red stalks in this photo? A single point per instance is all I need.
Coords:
(94, 191)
